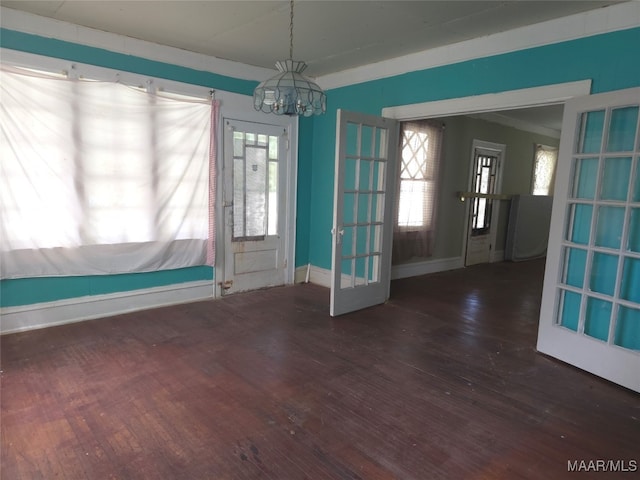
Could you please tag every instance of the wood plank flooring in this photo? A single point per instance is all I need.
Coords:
(441, 382)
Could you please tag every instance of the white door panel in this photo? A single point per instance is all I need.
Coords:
(590, 312)
(254, 206)
(485, 179)
(363, 211)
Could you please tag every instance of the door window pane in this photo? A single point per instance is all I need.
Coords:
(367, 137)
(352, 143)
(576, 260)
(631, 280)
(609, 227)
(597, 319)
(362, 237)
(591, 127)
(604, 270)
(635, 197)
(615, 179)
(272, 226)
(347, 242)
(622, 129)
(255, 185)
(350, 172)
(580, 223)
(365, 181)
(255, 180)
(585, 175)
(634, 231)
(570, 309)
(627, 333)
(348, 215)
(347, 269)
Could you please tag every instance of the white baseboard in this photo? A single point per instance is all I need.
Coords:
(322, 276)
(40, 315)
(422, 268)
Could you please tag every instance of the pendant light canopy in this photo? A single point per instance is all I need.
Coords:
(290, 92)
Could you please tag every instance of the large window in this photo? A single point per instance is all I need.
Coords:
(418, 186)
(98, 177)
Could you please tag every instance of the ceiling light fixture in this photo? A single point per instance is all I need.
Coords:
(290, 92)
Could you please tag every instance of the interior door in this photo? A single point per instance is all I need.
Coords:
(590, 313)
(254, 206)
(366, 149)
(483, 211)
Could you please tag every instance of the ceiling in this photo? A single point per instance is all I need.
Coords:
(330, 36)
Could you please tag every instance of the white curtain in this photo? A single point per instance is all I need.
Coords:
(101, 178)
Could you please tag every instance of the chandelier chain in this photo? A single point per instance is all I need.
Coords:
(291, 32)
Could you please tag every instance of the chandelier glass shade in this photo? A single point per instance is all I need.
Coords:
(290, 92)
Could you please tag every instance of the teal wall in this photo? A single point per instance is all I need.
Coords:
(609, 60)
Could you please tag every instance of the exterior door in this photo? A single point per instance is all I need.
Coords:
(254, 206)
(483, 210)
(590, 313)
(363, 211)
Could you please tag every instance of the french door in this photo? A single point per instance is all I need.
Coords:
(363, 211)
(590, 313)
(254, 197)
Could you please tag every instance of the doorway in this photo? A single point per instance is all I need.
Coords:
(484, 182)
(254, 199)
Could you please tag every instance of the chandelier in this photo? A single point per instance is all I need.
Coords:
(290, 92)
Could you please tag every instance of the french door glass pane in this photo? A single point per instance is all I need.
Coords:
(347, 242)
(575, 264)
(585, 175)
(580, 223)
(352, 140)
(604, 269)
(622, 129)
(609, 227)
(347, 268)
(597, 319)
(627, 332)
(570, 309)
(630, 280)
(634, 231)
(362, 237)
(615, 180)
(350, 173)
(592, 124)
(349, 202)
(365, 180)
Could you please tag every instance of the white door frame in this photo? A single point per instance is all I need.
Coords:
(495, 212)
(291, 182)
(491, 102)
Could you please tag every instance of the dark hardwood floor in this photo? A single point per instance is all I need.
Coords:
(441, 382)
